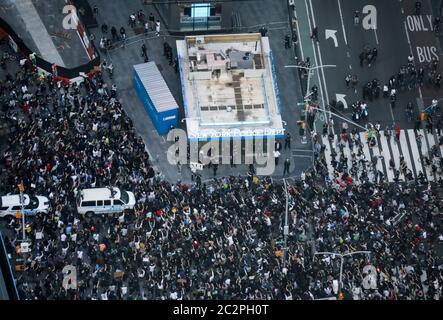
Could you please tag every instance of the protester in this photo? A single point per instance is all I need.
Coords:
(216, 240)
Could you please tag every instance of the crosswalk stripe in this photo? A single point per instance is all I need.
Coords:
(425, 152)
(405, 152)
(396, 154)
(328, 156)
(336, 150)
(365, 146)
(347, 151)
(432, 143)
(437, 138)
(431, 140)
(387, 156)
(387, 149)
(376, 152)
(415, 153)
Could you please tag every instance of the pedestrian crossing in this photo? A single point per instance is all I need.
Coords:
(417, 153)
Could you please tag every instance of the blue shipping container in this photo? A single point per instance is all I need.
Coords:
(156, 97)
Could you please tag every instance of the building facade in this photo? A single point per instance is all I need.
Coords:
(195, 17)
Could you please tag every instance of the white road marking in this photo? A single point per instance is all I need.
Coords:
(392, 113)
(315, 59)
(415, 153)
(405, 151)
(328, 157)
(326, 96)
(341, 98)
(299, 37)
(396, 155)
(425, 152)
(365, 146)
(431, 139)
(412, 53)
(376, 152)
(441, 147)
(376, 35)
(329, 33)
(382, 149)
(407, 36)
(386, 156)
(348, 152)
(342, 23)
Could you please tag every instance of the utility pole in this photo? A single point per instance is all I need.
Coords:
(341, 256)
(306, 98)
(286, 227)
(347, 120)
(21, 188)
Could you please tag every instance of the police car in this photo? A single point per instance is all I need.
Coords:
(10, 204)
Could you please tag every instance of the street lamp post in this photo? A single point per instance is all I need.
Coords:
(22, 200)
(340, 283)
(347, 120)
(308, 83)
(286, 227)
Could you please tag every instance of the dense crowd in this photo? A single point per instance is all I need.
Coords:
(220, 240)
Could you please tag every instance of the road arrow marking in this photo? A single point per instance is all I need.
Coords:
(341, 98)
(332, 34)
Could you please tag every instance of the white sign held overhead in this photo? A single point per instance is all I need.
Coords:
(341, 98)
(196, 166)
(332, 34)
(25, 247)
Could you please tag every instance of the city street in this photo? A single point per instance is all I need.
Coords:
(91, 208)
(123, 58)
(398, 33)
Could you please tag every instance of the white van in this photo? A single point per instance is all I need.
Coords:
(10, 204)
(104, 200)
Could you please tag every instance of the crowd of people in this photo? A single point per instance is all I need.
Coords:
(219, 240)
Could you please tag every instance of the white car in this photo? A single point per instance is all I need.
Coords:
(104, 201)
(10, 204)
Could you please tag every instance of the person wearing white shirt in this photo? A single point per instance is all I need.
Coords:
(276, 156)
(157, 28)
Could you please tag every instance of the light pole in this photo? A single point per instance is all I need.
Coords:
(308, 83)
(347, 120)
(22, 200)
(340, 282)
(286, 227)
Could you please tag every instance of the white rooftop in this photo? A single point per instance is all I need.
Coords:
(228, 86)
(155, 86)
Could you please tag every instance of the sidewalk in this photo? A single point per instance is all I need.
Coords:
(40, 25)
(38, 31)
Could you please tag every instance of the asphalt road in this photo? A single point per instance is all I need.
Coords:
(392, 39)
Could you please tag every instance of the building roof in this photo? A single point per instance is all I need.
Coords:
(156, 86)
(228, 86)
